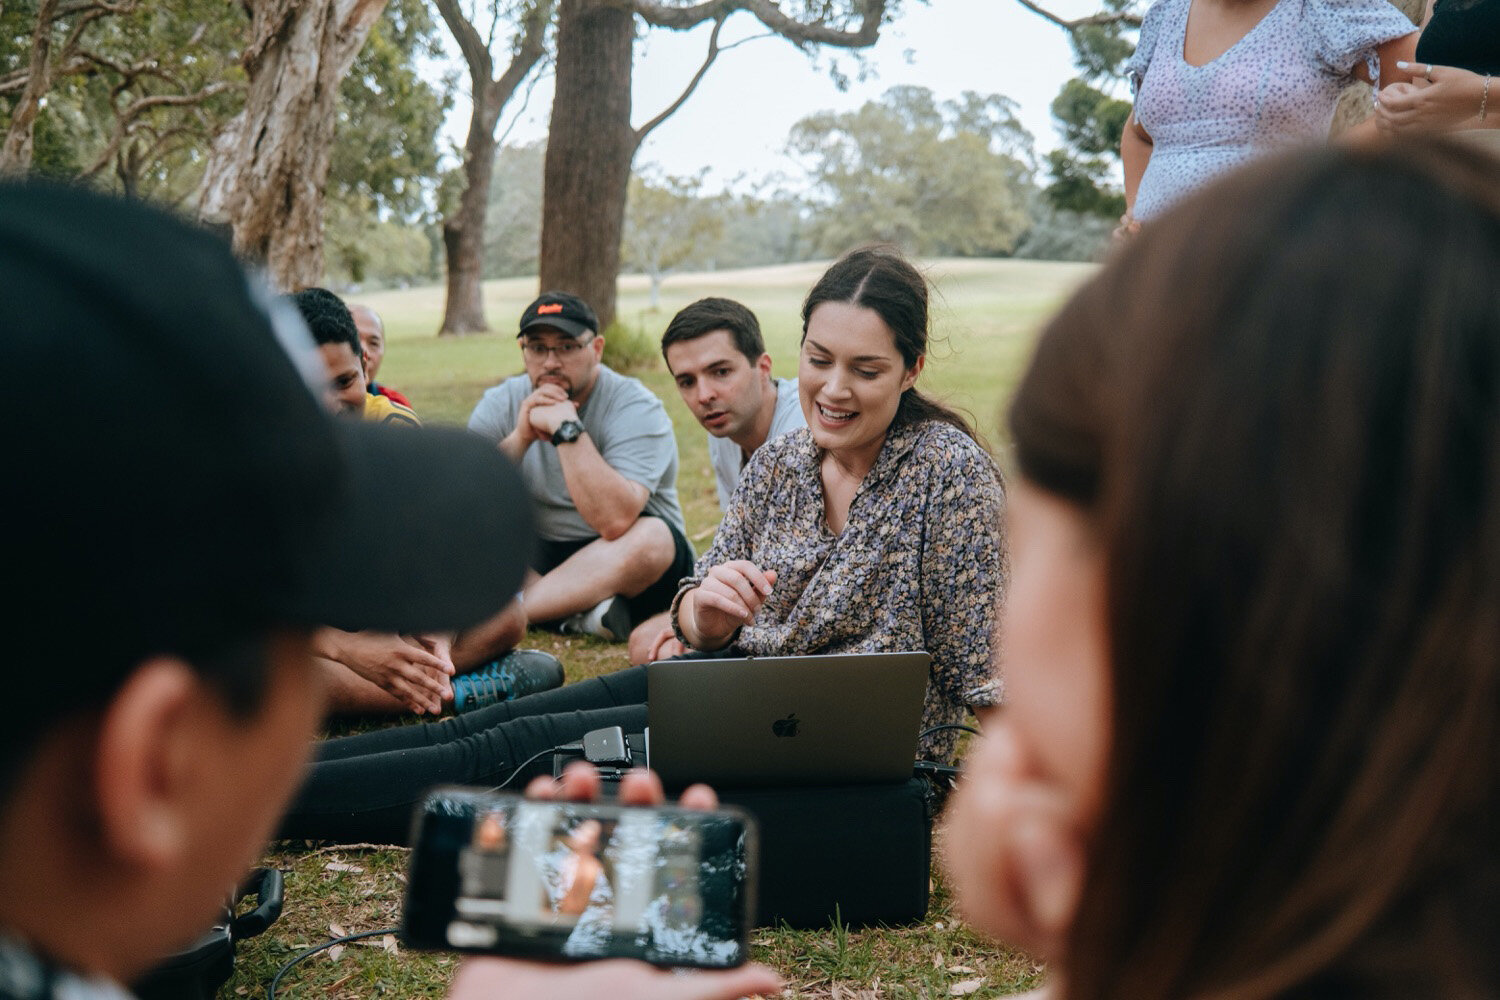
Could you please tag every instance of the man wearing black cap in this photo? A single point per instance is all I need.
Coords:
(170, 556)
(600, 460)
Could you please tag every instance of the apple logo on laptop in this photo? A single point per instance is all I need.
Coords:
(787, 726)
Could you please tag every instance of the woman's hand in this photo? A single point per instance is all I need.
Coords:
(1437, 100)
(1012, 848)
(618, 979)
(728, 598)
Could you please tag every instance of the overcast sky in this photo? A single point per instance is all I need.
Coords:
(736, 123)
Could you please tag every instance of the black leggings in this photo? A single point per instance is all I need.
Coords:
(363, 788)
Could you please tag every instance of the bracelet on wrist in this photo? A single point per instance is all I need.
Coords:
(1484, 98)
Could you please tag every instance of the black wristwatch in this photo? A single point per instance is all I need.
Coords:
(568, 430)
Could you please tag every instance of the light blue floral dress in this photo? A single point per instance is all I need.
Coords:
(1274, 88)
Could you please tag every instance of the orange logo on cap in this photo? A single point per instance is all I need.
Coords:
(548, 310)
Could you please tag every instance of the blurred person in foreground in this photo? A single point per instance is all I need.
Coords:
(165, 697)
(1252, 729)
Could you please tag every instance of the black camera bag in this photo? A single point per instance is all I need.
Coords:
(197, 971)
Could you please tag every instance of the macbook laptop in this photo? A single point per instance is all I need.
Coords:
(786, 720)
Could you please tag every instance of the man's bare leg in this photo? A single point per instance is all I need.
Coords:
(490, 639)
(627, 565)
(647, 637)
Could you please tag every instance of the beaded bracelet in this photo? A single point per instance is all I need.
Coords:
(1484, 98)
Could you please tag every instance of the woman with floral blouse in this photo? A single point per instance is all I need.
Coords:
(876, 529)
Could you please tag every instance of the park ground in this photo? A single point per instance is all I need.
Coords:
(985, 317)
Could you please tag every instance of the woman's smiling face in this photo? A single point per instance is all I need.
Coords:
(850, 377)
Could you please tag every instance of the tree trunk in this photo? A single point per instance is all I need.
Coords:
(268, 168)
(589, 149)
(15, 151)
(463, 231)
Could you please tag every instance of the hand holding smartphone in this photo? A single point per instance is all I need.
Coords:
(567, 880)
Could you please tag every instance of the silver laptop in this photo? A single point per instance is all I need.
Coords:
(786, 720)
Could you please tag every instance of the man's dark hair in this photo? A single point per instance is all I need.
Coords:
(711, 314)
(328, 319)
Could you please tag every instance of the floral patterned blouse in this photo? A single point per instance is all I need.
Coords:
(920, 564)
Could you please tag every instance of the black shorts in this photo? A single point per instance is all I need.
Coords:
(657, 597)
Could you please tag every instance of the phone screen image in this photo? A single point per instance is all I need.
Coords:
(505, 875)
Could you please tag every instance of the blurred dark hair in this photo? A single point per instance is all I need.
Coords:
(710, 315)
(879, 278)
(328, 319)
(237, 668)
(1280, 409)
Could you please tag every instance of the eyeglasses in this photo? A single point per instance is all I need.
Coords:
(564, 350)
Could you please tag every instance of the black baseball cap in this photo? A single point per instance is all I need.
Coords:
(561, 312)
(172, 480)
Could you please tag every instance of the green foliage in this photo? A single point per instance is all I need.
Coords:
(1100, 50)
(770, 228)
(95, 125)
(1081, 184)
(1090, 120)
(383, 176)
(135, 102)
(52, 155)
(513, 220)
(630, 348)
(936, 179)
(1091, 123)
(389, 117)
(667, 220)
(1061, 234)
(363, 250)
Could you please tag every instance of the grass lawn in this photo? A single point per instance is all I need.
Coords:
(985, 316)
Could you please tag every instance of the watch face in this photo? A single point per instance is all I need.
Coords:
(569, 430)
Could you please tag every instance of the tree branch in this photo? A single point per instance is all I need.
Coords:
(475, 52)
(1119, 17)
(15, 149)
(713, 53)
(525, 103)
(97, 8)
(768, 12)
(529, 51)
(126, 118)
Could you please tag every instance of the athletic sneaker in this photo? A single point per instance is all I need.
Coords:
(609, 620)
(517, 673)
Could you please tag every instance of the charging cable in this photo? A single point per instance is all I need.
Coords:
(310, 952)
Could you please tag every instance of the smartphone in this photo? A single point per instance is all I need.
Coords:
(503, 875)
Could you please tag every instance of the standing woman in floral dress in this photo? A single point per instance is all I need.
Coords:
(1219, 83)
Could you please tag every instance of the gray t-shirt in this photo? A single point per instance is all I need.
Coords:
(726, 456)
(628, 425)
